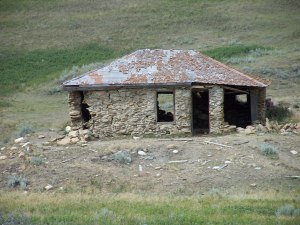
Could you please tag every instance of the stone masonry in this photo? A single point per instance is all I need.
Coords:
(261, 105)
(216, 109)
(131, 112)
(75, 109)
(121, 112)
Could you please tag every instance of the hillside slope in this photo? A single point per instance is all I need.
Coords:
(40, 39)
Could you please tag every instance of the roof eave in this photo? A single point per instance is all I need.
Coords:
(118, 86)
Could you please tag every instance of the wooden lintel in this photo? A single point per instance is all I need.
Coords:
(235, 90)
(198, 87)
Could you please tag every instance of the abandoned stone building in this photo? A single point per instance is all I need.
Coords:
(165, 92)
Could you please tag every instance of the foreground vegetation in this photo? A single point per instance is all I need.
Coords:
(71, 208)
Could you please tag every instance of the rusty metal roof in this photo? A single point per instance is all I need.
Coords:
(163, 67)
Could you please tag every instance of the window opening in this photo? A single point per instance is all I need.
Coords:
(165, 106)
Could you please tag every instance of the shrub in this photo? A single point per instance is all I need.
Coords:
(278, 113)
(25, 129)
(4, 104)
(268, 150)
(54, 90)
(15, 181)
(14, 219)
(36, 160)
(238, 60)
(122, 157)
(287, 210)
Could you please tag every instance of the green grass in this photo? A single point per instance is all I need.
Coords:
(19, 71)
(39, 39)
(132, 209)
(226, 52)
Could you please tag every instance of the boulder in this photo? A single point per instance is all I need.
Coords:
(22, 155)
(294, 152)
(171, 146)
(75, 113)
(68, 129)
(73, 134)
(240, 130)
(261, 129)
(142, 153)
(20, 140)
(48, 187)
(74, 140)
(249, 131)
(3, 157)
(64, 141)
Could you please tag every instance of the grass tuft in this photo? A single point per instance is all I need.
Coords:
(15, 181)
(25, 129)
(14, 219)
(268, 150)
(36, 160)
(54, 90)
(287, 210)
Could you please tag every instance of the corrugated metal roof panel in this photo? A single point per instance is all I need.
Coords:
(158, 67)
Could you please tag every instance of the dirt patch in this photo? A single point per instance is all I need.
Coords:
(198, 165)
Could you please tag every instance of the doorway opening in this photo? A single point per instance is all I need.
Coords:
(200, 106)
(237, 108)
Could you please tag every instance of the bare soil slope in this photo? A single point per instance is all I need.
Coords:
(199, 168)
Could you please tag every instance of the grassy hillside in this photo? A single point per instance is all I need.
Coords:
(41, 39)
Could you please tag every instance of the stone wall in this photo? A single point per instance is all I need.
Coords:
(216, 109)
(261, 105)
(75, 109)
(133, 111)
(258, 107)
(130, 112)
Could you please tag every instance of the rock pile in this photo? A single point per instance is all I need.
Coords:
(271, 127)
(75, 136)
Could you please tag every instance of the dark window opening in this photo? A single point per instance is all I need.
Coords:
(86, 116)
(165, 106)
(200, 111)
(237, 109)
